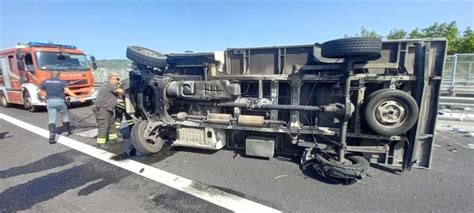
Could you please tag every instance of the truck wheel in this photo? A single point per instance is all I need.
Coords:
(362, 47)
(146, 56)
(353, 167)
(142, 143)
(391, 112)
(28, 103)
(3, 100)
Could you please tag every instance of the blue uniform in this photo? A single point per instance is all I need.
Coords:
(55, 98)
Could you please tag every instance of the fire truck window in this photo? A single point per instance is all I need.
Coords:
(29, 62)
(12, 63)
(28, 59)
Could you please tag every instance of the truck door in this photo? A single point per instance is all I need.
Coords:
(5, 80)
(14, 73)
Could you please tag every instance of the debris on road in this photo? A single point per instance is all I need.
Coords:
(459, 130)
(453, 150)
(436, 145)
(280, 176)
(470, 146)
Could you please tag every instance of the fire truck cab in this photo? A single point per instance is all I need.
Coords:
(24, 67)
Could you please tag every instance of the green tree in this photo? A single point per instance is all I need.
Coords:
(364, 32)
(457, 42)
(416, 34)
(466, 43)
(397, 34)
(444, 30)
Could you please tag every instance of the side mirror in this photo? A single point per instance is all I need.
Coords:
(94, 64)
(19, 60)
(20, 65)
(19, 56)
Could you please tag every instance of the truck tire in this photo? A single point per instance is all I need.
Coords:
(4, 101)
(361, 47)
(146, 56)
(353, 167)
(28, 103)
(391, 112)
(143, 145)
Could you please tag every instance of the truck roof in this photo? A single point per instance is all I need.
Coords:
(40, 46)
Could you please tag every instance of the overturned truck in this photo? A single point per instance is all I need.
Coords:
(339, 105)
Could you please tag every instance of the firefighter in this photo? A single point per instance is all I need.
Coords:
(120, 113)
(120, 109)
(104, 106)
(56, 103)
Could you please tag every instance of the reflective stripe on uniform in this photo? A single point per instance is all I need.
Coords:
(130, 122)
(117, 125)
(101, 140)
(121, 104)
(113, 136)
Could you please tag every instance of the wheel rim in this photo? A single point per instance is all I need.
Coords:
(148, 52)
(150, 140)
(28, 104)
(391, 113)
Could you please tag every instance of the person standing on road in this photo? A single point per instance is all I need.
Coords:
(120, 109)
(56, 103)
(120, 113)
(104, 106)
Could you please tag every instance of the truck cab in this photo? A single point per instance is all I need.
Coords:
(24, 67)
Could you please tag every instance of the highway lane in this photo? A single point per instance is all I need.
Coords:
(277, 183)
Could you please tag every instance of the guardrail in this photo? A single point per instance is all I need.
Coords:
(457, 90)
(456, 101)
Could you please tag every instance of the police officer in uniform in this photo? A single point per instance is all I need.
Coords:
(104, 106)
(56, 103)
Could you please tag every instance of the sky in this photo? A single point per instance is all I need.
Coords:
(105, 28)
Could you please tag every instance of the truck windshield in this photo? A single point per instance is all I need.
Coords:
(53, 61)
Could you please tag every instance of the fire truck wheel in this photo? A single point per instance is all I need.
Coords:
(146, 56)
(359, 47)
(144, 144)
(3, 100)
(28, 103)
(391, 112)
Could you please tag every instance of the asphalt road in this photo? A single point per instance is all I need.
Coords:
(38, 177)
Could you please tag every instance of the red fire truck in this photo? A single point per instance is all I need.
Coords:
(25, 66)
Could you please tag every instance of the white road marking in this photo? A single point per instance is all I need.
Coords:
(87, 134)
(207, 193)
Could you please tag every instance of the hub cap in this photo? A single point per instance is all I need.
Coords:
(391, 113)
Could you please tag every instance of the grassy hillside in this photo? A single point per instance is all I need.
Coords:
(120, 66)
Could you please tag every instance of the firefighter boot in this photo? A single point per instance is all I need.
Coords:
(67, 128)
(52, 134)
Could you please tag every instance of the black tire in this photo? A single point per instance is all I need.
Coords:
(380, 118)
(360, 47)
(3, 100)
(147, 57)
(143, 145)
(354, 167)
(28, 103)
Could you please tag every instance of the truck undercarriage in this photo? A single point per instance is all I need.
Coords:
(339, 105)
